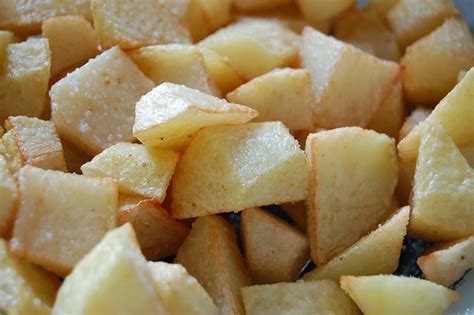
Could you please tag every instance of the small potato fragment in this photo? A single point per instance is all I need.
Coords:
(180, 292)
(275, 251)
(170, 114)
(158, 234)
(312, 297)
(230, 168)
(210, 254)
(282, 94)
(222, 71)
(61, 216)
(132, 24)
(259, 5)
(389, 294)
(375, 253)
(138, 170)
(416, 117)
(93, 106)
(6, 38)
(8, 196)
(72, 41)
(450, 45)
(323, 10)
(112, 278)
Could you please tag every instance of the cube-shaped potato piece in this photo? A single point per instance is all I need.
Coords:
(255, 46)
(24, 288)
(8, 196)
(93, 106)
(260, 5)
(210, 254)
(170, 114)
(447, 262)
(112, 279)
(450, 45)
(323, 10)
(413, 19)
(72, 41)
(282, 94)
(352, 180)
(418, 115)
(138, 170)
(6, 38)
(158, 234)
(297, 213)
(26, 16)
(222, 71)
(61, 216)
(33, 142)
(375, 253)
(275, 251)
(175, 63)
(24, 79)
(230, 168)
(389, 294)
(443, 199)
(180, 292)
(312, 297)
(348, 84)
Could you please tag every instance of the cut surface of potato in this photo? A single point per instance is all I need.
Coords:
(443, 199)
(138, 170)
(259, 5)
(388, 294)
(282, 94)
(159, 235)
(348, 84)
(170, 114)
(230, 168)
(305, 298)
(61, 216)
(6, 38)
(93, 106)
(375, 253)
(8, 195)
(210, 254)
(323, 10)
(180, 292)
(24, 79)
(275, 251)
(132, 24)
(72, 41)
(450, 45)
(352, 180)
(112, 278)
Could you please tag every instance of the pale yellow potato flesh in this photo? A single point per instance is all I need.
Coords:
(6, 38)
(8, 196)
(415, 117)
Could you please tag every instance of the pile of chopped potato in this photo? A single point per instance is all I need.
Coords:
(333, 133)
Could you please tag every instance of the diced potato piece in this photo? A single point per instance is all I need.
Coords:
(450, 45)
(72, 41)
(132, 24)
(413, 19)
(388, 294)
(170, 114)
(6, 38)
(255, 46)
(416, 117)
(383, 6)
(282, 94)
(24, 288)
(93, 106)
(210, 254)
(221, 70)
(352, 180)
(159, 235)
(112, 279)
(275, 250)
(217, 13)
(179, 291)
(34, 142)
(8, 195)
(25, 77)
(74, 157)
(375, 253)
(27, 16)
(322, 10)
(367, 27)
(230, 168)
(138, 170)
(175, 63)
(315, 297)
(443, 189)
(61, 217)
(348, 84)
(446, 263)
(297, 212)
(258, 5)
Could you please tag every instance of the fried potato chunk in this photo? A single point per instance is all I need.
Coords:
(8, 196)
(222, 71)
(6, 38)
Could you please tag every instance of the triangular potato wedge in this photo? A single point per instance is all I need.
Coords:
(364, 257)
(230, 168)
(443, 198)
(352, 180)
(390, 295)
